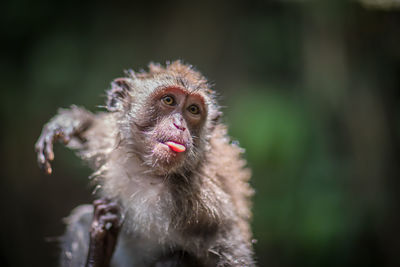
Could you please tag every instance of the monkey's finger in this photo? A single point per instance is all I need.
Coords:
(49, 148)
(112, 208)
(39, 144)
(110, 221)
(41, 158)
(101, 201)
(49, 152)
(98, 202)
(39, 150)
(47, 168)
(101, 210)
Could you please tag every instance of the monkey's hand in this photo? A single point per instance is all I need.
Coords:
(67, 124)
(104, 232)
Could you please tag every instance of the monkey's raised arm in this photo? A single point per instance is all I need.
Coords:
(67, 125)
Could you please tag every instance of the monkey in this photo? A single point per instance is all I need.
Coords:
(173, 188)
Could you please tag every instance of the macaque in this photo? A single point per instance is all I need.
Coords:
(173, 189)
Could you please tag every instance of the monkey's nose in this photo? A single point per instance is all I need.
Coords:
(179, 127)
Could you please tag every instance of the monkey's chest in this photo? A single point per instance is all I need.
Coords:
(145, 203)
(147, 231)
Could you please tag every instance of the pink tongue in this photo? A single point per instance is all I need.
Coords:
(175, 146)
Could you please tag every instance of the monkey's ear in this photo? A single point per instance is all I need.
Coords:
(117, 96)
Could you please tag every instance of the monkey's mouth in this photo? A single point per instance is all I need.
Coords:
(176, 146)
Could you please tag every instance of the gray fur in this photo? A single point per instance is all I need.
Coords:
(200, 205)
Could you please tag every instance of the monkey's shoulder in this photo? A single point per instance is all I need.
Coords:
(227, 166)
(226, 159)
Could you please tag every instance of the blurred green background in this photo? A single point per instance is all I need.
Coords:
(310, 89)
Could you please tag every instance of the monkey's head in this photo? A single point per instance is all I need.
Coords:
(166, 116)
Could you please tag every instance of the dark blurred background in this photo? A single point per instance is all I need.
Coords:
(311, 90)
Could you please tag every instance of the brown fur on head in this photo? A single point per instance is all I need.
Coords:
(139, 102)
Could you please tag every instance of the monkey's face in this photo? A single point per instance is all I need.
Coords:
(173, 141)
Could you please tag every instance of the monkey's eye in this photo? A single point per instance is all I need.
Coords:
(194, 109)
(168, 100)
